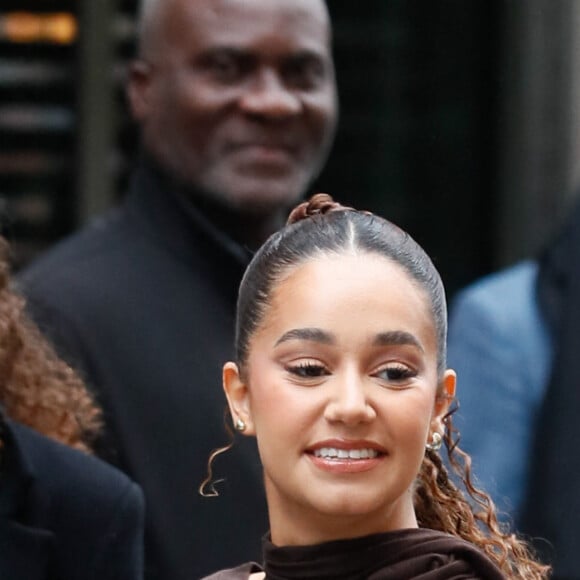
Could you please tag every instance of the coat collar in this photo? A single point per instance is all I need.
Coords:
(25, 544)
(162, 206)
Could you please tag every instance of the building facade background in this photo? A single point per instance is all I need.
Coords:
(459, 120)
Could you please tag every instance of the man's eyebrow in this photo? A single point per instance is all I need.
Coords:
(306, 54)
(223, 50)
(312, 334)
(397, 337)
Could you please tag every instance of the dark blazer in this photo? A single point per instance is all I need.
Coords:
(65, 515)
(143, 303)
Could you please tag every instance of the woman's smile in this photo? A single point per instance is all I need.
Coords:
(344, 456)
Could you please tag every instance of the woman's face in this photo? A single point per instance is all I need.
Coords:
(340, 389)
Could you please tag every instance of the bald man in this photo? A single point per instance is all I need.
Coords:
(236, 100)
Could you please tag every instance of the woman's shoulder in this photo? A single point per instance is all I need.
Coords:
(247, 571)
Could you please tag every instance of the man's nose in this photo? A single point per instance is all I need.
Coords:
(268, 96)
(349, 403)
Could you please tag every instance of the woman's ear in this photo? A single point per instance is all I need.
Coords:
(238, 398)
(443, 400)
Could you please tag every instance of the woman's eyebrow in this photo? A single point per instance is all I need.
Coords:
(312, 334)
(397, 337)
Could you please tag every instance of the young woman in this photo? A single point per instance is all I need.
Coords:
(341, 377)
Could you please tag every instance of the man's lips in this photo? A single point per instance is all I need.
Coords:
(269, 157)
(264, 146)
(274, 142)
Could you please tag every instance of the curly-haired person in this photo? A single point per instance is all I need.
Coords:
(341, 376)
(63, 513)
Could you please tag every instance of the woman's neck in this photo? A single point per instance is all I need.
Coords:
(316, 528)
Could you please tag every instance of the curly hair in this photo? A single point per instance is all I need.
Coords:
(470, 514)
(37, 388)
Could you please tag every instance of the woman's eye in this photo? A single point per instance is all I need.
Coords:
(395, 373)
(307, 370)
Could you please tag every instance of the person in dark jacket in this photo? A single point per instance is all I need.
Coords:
(516, 335)
(236, 101)
(63, 514)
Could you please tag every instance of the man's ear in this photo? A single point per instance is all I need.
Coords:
(238, 398)
(443, 400)
(138, 89)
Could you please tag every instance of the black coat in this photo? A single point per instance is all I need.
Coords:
(143, 302)
(65, 515)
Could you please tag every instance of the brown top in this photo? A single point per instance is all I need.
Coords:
(239, 573)
(398, 555)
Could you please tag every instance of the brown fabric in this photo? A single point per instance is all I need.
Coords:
(417, 554)
(400, 555)
(239, 573)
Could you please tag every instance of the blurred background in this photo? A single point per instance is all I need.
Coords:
(459, 120)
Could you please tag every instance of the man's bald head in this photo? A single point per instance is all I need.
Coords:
(151, 14)
(237, 98)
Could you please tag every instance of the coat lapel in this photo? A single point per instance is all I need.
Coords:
(26, 546)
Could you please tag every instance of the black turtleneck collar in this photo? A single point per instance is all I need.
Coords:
(398, 555)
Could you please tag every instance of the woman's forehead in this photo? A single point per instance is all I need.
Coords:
(335, 289)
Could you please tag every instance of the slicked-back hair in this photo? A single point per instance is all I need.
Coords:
(336, 232)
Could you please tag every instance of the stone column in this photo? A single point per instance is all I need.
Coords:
(539, 135)
(96, 110)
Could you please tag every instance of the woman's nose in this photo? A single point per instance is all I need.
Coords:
(348, 402)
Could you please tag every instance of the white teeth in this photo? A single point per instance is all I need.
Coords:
(331, 452)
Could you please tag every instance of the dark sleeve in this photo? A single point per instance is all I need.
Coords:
(93, 513)
(120, 553)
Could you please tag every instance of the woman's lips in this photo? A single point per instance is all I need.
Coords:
(346, 456)
(336, 453)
